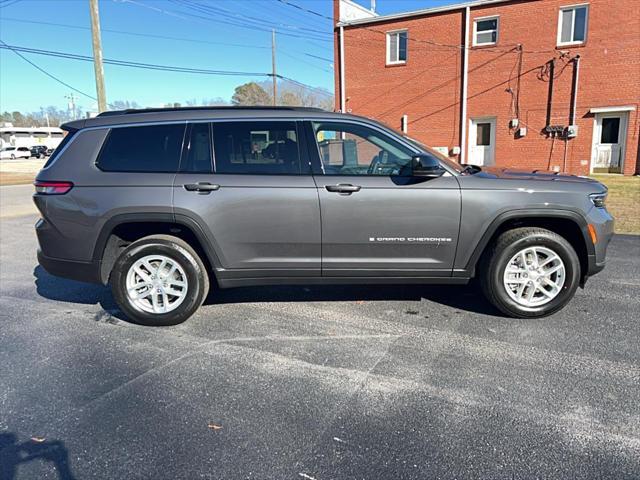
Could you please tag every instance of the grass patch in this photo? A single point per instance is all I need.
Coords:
(623, 201)
(11, 178)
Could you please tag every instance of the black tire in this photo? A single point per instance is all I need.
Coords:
(180, 252)
(13, 157)
(505, 247)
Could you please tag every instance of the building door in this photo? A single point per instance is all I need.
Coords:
(609, 138)
(482, 141)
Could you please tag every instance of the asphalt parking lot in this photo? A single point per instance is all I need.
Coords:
(317, 383)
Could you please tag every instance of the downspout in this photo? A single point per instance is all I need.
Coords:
(574, 99)
(574, 103)
(465, 82)
(343, 101)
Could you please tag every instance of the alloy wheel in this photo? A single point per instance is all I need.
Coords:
(534, 276)
(156, 284)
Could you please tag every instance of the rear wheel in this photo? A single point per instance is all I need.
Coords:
(159, 280)
(530, 272)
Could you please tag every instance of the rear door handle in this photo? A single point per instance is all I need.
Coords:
(201, 187)
(343, 188)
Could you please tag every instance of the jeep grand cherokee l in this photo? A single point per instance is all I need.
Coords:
(164, 203)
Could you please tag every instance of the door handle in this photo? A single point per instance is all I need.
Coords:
(343, 188)
(201, 187)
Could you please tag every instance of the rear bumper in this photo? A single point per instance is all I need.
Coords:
(80, 271)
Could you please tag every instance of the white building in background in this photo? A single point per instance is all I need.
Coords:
(28, 137)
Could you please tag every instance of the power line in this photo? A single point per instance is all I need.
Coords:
(282, 12)
(147, 66)
(312, 12)
(429, 42)
(126, 63)
(14, 50)
(8, 3)
(122, 32)
(308, 87)
(295, 57)
(181, 15)
(206, 14)
(137, 34)
(243, 23)
(244, 17)
(319, 58)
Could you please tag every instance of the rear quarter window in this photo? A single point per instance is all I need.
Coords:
(152, 148)
(56, 151)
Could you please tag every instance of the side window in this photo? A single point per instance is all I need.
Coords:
(153, 148)
(485, 31)
(197, 158)
(68, 135)
(351, 149)
(572, 25)
(268, 148)
(397, 47)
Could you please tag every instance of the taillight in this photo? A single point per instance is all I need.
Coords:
(52, 188)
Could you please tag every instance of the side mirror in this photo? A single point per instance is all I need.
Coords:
(425, 165)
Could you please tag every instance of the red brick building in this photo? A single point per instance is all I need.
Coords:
(542, 84)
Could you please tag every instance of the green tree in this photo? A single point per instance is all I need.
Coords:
(251, 94)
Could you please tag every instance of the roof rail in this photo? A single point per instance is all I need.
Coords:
(224, 107)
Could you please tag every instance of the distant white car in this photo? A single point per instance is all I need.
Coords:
(15, 152)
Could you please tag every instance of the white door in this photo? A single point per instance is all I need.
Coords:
(482, 141)
(609, 137)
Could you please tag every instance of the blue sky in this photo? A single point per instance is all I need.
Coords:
(216, 44)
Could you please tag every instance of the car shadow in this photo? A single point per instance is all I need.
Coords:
(14, 454)
(461, 297)
(64, 290)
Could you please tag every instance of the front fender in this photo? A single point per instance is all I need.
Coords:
(470, 250)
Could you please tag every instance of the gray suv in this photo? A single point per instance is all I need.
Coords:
(164, 203)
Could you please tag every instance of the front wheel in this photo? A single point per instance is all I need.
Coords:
(159, 281)
(530, 272)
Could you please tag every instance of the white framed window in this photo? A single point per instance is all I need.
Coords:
(397, 47)
(485, 31)
(572, 24)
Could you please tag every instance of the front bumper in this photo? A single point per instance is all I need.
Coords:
(603, 223)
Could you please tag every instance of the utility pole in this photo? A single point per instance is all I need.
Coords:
(72, 104)
(97, 55)
(273, 68)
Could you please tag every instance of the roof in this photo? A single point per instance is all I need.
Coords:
(184, 114)
(422, 12)
(222, 107)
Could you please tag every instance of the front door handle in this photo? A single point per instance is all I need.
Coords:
(201, 187)
(343, 188)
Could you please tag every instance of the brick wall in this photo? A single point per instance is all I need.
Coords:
(428, 87)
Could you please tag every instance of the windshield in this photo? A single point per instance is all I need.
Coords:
(443, 158)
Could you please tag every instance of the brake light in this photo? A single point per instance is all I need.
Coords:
(52, 188)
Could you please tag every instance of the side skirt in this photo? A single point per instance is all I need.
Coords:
(251, 282)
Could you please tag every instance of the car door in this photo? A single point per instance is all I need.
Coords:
(254, 195)
(377, 219)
